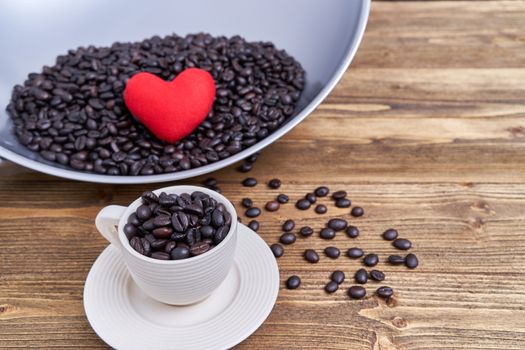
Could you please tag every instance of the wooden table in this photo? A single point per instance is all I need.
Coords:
(426, 131)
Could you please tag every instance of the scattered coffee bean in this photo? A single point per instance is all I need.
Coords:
(277, 250)
(282, 198)
(310, 197)
(371, 260)
(343, 203)
(337, 224)
(249, 182)
(288, 225)
(332, 252)
(390, 234)
(357, 212)
(253, 212)
(402, 244)
(287, 238)
(321, 209)
(352, 231)
(254, 225)
(303, 204)
(355, 253)
(327, 233)
(384, 292)
(396, 260)
(331, 287)
(245, 167)
(306, 231)
(247, 203)
(311, 256)
(361, 276)
(411, 261)
(377, 275)
(272, 206)
(274, 184)
(321, 191)
(211, 181)
(339, 194)
(356, 292)
(337, 276)
(293, 282)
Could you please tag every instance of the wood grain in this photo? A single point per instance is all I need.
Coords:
(426, 131)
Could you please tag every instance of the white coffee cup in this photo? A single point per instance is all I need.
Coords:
(175, 282)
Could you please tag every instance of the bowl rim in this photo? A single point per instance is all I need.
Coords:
(351, 50)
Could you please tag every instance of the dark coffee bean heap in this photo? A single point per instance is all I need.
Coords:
(174, 227)
(73, 112)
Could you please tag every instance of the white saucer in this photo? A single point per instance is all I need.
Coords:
(126, 318)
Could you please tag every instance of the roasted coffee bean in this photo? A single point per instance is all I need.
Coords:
(179, 221)
(411, 261)
(371, 260)
(331, 287)
(306, 231)
(160, 256)
(207, 231)
(332, 252)
(220, 234)
(338, 276)
(162, 232)
(327, 233)
(217, 218)
(272, 206)
(170, 246)
(287, 238)
(343, 203)
(293, 282)
(352, 231)
(361, 276)
(277, 250)
(338, 195)
(384, 292)
(402, 244)
(357, 212)
(211, 181)
(321, 209)
(130, 230)
(303, 204)
(253, 212)
(254, 225)
(310, 197)
(337, 224)
(149, 197)
(282, 198)
(288, 225)
(396, 260)
(356, 292)
(311, 256)
(247, 203)
(143, 212)
(249, 182)
(133, 219)
(321, 191)
(166, 200)
(199, 248)
(377, 275)
(274, 184)
(162, 220)
(390, 234)
(159, 244)
(179, 253)
(245, 167)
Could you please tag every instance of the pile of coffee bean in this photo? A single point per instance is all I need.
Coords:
(174, 227)
(73, 113)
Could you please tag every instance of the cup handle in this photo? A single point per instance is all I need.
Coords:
(107, 221)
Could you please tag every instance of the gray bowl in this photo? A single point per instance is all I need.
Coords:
(321, 34)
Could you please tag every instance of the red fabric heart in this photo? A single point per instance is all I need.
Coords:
(171, 110)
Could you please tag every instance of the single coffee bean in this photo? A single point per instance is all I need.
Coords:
(306, 231)
(371, 260)
(396, 260)
(338, 276)
(303, 204)
(331, 287)
(249, 182)
(211, 181)
(133, 219)
(277, 250)
(352, 231)
(337, 224)
(384, 292)
(321, 209)
(162, 232)
(282, 198)
(254, 225)
(357, 212)
(180, 253)
(199, 248)
(402, 244)
(288, 225)
(287, 238)
(162, 220)
(377, 275)
(274, 184)
(355, 253)
(411, 261)
(130, 230)
(327, 233)
(247, 203)
(220, 234)
(343, 203)
(149, 197)
(253, 212)
(310, 197)
(361, 276)
(321, 191)
(159, 244)
(272, 206)
(143, 212)
(293, 282)
(338, 195)
(332, 252)
(245, 167)
(311, 256)
(170, 246)
(356, 292)
(217, 218)
(390, 234)
(207, 231)
(160, 256)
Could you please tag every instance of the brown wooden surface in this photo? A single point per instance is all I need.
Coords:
(426, 131)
